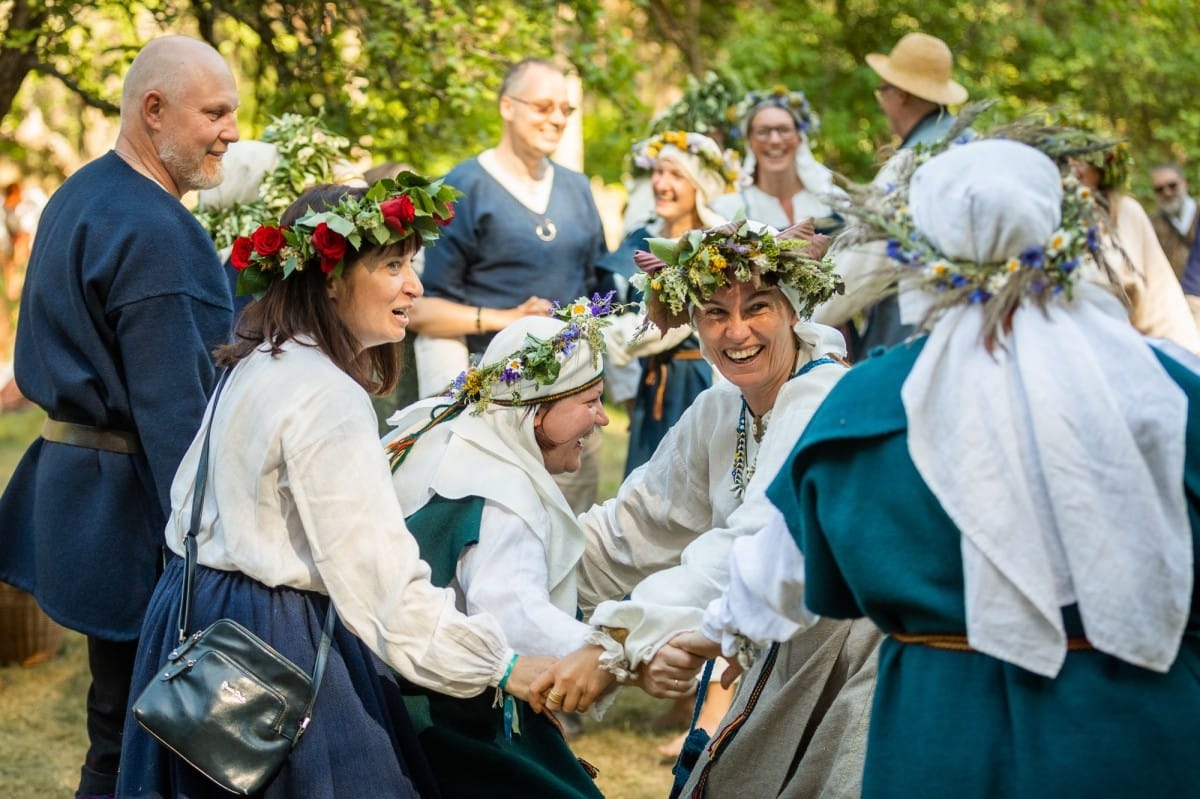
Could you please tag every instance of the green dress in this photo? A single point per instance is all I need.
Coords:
(464, 739)
(963, 724)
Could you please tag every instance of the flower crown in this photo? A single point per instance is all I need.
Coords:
(391, 211)
(701, 107)
(1041, 272)
(689, 271)
(538, 361)
(646, 152)
(308, 155)
(794, 102)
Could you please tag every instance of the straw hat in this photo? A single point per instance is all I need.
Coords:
(920, 64)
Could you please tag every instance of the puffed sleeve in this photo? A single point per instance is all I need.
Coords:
(370, 563)
(765, 598)
(658, 511)
(674, 599)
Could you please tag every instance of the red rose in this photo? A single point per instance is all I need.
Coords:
(445, 220)
(330, 245)
(268, 240)
(398, 212)
(243, 248)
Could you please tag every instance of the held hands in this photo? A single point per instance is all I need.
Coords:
(700, 647)
(525, 671)
(572, 684)
(671, 673)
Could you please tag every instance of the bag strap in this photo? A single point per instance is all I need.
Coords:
(189, 540)
(701, 692)
(189, 561)
(318, 670)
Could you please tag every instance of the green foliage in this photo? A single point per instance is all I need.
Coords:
(416, 82)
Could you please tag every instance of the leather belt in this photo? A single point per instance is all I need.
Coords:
(958, 643)
(82, 435)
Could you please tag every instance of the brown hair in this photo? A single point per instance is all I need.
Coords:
(299, 305)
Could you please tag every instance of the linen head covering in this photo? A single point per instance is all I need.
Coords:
(494, 454)
(921, 65)
(1059, 454)
(815, 176)
(702, 161)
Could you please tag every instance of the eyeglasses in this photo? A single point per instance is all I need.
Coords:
(545, 107)
(1163, 188)
(764, 134)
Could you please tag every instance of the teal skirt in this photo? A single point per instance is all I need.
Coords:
(464, 743)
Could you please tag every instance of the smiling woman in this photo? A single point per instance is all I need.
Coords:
(300, 522)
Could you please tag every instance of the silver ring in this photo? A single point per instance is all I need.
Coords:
(678, 684)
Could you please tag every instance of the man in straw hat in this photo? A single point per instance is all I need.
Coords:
(915, 89)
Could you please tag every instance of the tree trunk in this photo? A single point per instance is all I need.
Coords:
(18, 48)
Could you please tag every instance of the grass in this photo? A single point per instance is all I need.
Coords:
(43, 740)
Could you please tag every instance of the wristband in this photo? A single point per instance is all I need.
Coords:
(508, 671)
(479, 319)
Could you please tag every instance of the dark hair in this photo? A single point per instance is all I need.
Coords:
(299, 305)
(518, 70)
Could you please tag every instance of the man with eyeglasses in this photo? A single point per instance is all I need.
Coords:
(526, 234)
(1175, 220)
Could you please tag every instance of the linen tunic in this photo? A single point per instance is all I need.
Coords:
(294, 459)
(490, 255)
(123, 302)
(754, 203)
(947, 723)
(669, 529)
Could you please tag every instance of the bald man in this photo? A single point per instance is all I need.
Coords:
(123, 302)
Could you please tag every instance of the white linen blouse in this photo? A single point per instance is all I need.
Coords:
(667, 534)
(299, 494)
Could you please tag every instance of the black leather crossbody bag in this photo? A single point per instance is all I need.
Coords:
(225, 701)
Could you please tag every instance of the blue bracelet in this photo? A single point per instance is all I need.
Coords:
(508, 671)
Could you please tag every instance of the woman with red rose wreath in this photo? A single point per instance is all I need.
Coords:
(300, 511)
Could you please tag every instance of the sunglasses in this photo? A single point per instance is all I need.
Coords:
(1164, 187)
(545, 107)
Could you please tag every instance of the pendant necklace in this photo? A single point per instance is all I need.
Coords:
(545, 230)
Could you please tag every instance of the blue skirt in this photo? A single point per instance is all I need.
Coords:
(360, 741)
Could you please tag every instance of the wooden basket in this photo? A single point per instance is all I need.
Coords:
(27, 635)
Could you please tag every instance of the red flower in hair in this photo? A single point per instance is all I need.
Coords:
(268, 240)
(330, 245)
(398, 212)
(243, 249)
(445, 220)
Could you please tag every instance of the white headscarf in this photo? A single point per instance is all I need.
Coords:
(815, 176)
(709, 182)
(495, 455)
(1059, 455)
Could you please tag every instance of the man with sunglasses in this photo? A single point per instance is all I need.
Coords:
(1175, 221)
(526, 234)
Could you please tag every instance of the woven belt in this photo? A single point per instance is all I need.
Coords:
(656, 374)
(958, 643)
(82, 435)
